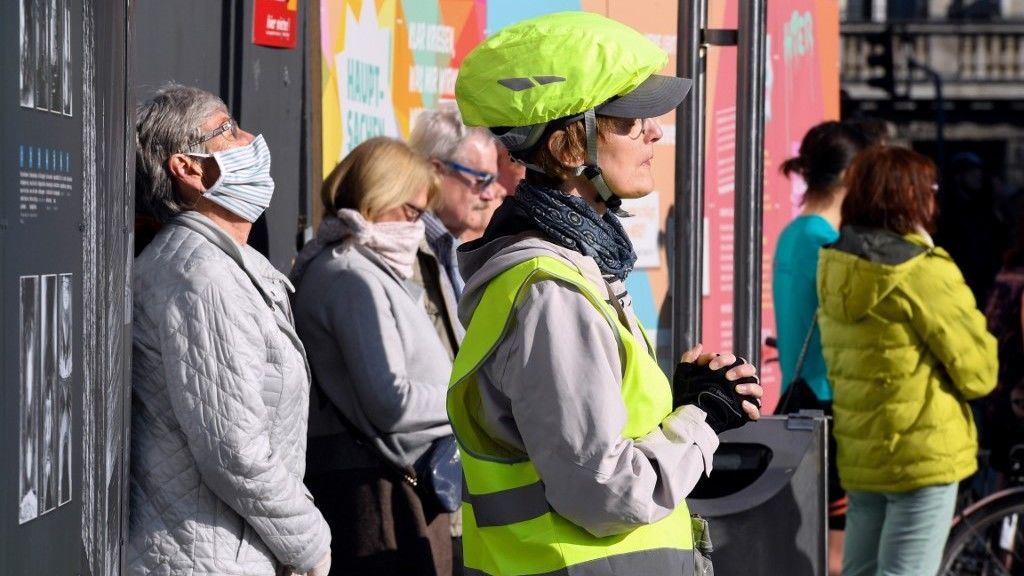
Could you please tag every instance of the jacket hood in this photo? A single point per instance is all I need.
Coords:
(863, 267)
(480, 262)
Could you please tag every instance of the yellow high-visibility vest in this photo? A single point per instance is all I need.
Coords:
(508, 526)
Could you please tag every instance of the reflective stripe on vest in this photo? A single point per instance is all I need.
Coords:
(508, 506)
(643, 563)
(508, 526)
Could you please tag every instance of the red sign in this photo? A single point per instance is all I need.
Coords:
(276, 23)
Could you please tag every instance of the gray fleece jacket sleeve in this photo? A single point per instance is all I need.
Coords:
(559, 374)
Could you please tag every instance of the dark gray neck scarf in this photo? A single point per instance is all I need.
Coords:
(571, 222)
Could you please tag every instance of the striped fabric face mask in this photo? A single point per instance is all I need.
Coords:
(245, 186)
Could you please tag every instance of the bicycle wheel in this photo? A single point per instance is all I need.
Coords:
(987, 539)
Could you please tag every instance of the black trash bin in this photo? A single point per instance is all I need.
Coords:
(766, 499)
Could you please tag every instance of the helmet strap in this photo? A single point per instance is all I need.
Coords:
(592, 171)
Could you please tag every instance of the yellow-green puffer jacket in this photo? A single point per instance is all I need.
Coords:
(906, 348)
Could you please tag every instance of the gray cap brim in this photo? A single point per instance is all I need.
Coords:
(656, 96)
(521, 137)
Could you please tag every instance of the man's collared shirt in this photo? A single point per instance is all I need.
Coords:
(444, 245)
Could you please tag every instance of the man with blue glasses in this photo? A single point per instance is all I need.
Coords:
(467, 162)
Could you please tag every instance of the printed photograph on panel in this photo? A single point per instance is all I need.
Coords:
(45, 55)
(65, 319)
(39, 22)
(27, 54)
(48, 393)
(67, 74)
(54, 23)
(28, 493)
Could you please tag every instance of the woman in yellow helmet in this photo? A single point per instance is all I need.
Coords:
(577, 458)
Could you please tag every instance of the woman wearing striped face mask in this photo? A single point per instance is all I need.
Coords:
(220, 386)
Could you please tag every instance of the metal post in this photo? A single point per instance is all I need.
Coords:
(940, 111)
(750, 85)
(688, 222)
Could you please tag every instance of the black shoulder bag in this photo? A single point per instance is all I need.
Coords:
(799, 394)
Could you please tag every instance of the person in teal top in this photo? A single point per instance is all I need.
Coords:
(825, 152)
(796, 299)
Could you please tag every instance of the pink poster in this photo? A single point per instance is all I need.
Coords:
(802, 89)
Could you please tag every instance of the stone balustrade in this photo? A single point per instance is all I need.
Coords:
(974, 59)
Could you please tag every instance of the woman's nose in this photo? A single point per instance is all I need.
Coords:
(653, 130)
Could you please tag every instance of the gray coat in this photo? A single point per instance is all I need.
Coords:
(376, 359)
(220, 394)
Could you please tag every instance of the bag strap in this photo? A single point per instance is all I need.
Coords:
(800, 360)
(807, 344)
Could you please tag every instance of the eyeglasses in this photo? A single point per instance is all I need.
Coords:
(413, 213)
(481, 180)
(228, 126)
(641, 133)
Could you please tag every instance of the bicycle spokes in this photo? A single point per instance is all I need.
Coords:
(992, 547)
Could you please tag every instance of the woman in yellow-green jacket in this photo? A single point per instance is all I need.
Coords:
(906, 349)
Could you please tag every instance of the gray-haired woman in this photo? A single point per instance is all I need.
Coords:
(220, 387)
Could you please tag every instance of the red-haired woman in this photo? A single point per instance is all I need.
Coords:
(906, 348)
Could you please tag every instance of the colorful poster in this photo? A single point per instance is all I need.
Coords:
(719, 184)
(385, 61)
(275, 23)
(643, 227)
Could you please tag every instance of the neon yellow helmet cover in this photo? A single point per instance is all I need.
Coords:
(560, 65)
(564, 66)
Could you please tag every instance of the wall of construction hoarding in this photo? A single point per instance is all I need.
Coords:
(65, 237)
(76, 70)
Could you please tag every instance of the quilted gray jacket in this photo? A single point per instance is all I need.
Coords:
(220, 396)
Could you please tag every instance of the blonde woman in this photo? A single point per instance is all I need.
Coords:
(379, 368)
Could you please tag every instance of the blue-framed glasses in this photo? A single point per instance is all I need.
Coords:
(481, 180)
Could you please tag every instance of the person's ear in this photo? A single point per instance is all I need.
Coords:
(438, 166)
(186, 171)
(558, 147)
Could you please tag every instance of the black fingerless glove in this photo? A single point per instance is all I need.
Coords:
(713, 393)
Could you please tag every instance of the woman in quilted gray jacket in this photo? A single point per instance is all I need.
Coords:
(220, 386)
(380, 371)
